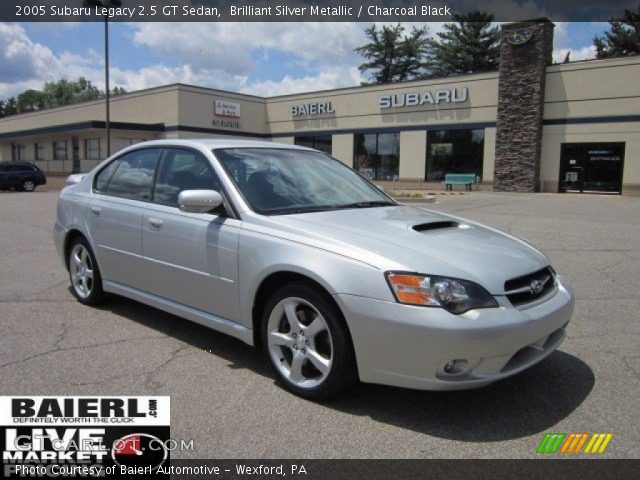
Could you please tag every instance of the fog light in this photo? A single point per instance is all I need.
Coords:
(456, 367)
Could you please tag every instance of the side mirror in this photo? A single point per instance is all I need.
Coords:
(75, 178)
(199, 201)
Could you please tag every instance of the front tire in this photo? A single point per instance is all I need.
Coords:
(84, 274)
(307, 342)
(28, 186)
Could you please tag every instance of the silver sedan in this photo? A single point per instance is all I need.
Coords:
(286, 248)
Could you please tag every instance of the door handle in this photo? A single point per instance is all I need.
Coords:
(155, 223)
(96, 210)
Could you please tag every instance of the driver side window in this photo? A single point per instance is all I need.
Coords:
(182, 170)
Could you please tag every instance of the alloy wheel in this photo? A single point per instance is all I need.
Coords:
(28, 186)
(81, 268)
(299, 342)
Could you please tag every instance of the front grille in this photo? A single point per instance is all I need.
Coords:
(528, 288)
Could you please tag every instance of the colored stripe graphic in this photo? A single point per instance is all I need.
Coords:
(598, 442)
(551, 442)
(572, 443)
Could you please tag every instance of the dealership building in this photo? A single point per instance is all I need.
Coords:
(530, 126)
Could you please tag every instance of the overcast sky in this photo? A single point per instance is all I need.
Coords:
(258, 58)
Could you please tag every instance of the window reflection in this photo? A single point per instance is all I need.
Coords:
(377, 155)
(454, 151)
(319, 142)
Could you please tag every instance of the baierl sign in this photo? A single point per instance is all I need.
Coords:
(414, 99)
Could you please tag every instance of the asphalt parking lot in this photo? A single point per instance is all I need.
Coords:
(224, 398)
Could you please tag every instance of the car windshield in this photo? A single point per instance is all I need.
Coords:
(282, 181)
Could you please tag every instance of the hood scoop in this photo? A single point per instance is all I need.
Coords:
(431, 226)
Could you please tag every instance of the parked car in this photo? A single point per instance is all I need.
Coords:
(23, 176)
(286, 248)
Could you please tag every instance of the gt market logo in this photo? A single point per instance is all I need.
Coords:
(573, 443)
(83, 436)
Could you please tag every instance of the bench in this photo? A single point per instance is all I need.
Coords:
(466, 179)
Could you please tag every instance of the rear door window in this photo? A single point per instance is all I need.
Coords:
(133, 176)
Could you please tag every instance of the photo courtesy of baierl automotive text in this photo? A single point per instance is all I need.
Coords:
(316, 239)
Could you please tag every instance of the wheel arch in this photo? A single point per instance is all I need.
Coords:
(72, 234)
(277, 279)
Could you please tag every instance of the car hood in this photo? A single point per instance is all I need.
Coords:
(419, 240)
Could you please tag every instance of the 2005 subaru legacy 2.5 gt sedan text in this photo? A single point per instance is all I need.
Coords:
(287, 248)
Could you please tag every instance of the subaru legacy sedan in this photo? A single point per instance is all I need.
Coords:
(288, 249)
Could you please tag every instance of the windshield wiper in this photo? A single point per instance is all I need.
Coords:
(377, 203)
(291, 211)
(326, 208)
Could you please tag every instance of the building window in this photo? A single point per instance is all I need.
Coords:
(377, 155)
(454, 151)
(39, 148)
(92, 148)
(319, 142)
(60, 150)
(18, 153)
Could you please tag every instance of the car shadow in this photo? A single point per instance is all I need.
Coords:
(523, 405)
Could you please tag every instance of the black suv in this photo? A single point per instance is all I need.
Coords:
(21, 176)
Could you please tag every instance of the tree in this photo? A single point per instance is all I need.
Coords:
(63, 92)
(31, 100)
(468, 45)
(54, 94)
(622, 39)
(392, 56)
(10, 106)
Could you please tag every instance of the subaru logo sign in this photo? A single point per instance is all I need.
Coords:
(519, 36)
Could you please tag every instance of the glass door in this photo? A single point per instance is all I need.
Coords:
(591, 167)
(571, 168)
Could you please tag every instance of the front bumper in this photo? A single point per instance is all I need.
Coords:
(408, 346)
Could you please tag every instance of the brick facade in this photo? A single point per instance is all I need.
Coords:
(520, 105)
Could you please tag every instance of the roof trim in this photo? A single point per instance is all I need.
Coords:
(160, 127)
(92, 124)
(219, 131)
(600, 119)
(399, 128)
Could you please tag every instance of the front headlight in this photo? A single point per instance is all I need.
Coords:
(455, 295)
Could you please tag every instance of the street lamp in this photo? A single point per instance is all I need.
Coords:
(106, 4)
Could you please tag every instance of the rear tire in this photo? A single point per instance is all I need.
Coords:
(307, 343)
(84, 274)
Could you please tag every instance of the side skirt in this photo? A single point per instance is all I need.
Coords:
(198, 316)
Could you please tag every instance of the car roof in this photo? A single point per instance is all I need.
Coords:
(214, 143)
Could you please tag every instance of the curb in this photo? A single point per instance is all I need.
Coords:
(429, 199)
